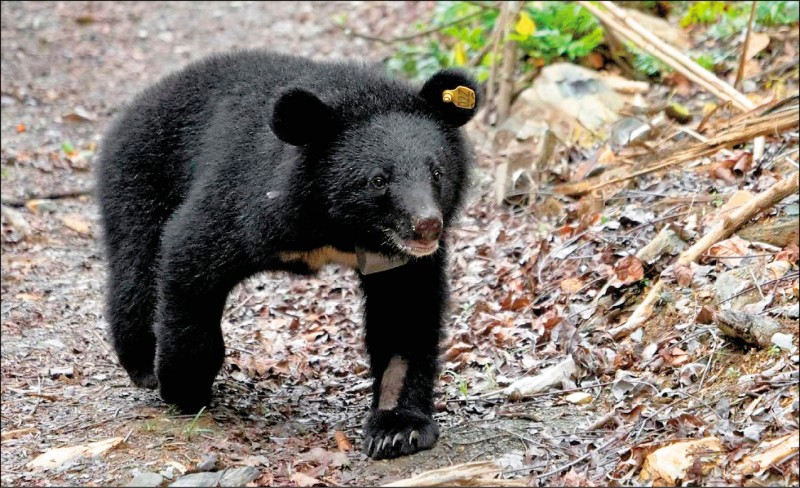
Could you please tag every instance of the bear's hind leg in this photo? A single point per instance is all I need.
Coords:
(132, 242)
(199, 266)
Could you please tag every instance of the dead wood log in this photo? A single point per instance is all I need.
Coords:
(752, 329)
(479, 473)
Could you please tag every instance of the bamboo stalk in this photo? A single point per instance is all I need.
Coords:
(743, 60)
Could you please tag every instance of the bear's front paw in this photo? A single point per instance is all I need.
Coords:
(187, 396)
(144, 380)
(398, 432)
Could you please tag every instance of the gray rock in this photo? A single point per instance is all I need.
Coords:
(146, 479)
(198, 479)
(784, 341)
(239, 476)
(208, 462)
(229, 477)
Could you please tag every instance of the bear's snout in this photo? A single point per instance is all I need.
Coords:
(427, 229)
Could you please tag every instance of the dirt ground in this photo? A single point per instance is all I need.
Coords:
(530, 286)
(296, 369)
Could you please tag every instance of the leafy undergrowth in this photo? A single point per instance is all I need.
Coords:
(531, 285)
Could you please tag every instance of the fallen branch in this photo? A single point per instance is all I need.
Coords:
(478, 473)
(727, 225)
(554, 375)
(13, 434)
(772, 453)
(743, 131)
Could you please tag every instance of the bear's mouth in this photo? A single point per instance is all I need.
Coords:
(415, 247)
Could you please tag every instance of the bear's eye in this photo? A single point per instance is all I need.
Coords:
(437, 175)
(378, 182)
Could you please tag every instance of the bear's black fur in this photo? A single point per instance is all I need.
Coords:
(254, 161)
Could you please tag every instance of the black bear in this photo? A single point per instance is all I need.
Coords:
(254, 161)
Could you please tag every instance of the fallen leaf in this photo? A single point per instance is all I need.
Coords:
(56, 457)
(77, 223)
(790, 253)
(668, 465)
(758, 42)
(301, 479)
(732, 251)
(571, 285)
(80, 114)
(341, 441)
(579, 398)
(705, 316)
(323, 457)
(683, 275)
(675, 357)
(629, 270)
(743, 164)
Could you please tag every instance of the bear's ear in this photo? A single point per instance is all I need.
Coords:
(299, 117)
(452, 95)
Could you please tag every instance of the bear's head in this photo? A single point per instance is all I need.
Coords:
(389, 163)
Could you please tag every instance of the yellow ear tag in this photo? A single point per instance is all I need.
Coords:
(461, 97)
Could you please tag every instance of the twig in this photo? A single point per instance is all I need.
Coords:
(609, 417)
(743, 60)
(103, 422)
(409, 37)
(570, 464)
(38, 396)
(497, 32)
(48, 196)
(727, 225)
(787, 276)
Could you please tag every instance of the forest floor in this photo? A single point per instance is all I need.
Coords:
(527, 290)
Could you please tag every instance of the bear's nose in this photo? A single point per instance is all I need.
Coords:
(428, 228)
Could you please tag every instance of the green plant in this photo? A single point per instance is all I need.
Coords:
(703, 13)
(544, 31)
(463, 387)
(726, 19)
(191, 428)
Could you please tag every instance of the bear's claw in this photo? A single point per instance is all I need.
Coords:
(393, 433)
